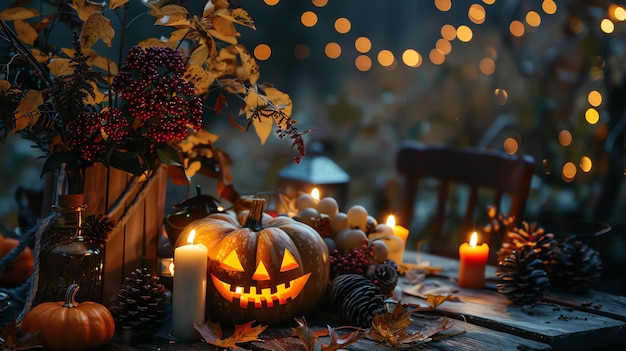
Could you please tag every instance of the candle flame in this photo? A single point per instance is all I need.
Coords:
(315, 193)
(391, 221)
(220, 208)
(473, 239)
(171, 268)
(192, 235)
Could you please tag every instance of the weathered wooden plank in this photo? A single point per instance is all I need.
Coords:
(559, 326)
(596, 302)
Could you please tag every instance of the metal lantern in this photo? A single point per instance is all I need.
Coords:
(314, 171)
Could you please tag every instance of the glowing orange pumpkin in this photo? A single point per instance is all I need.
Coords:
(268, 270)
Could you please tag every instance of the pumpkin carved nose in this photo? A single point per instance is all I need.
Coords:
(261, 272)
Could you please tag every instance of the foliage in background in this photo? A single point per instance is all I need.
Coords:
(81, 107)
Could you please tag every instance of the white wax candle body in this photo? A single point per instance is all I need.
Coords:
(189, 290)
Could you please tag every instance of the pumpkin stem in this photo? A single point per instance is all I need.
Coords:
(255, 215)
(70, 296)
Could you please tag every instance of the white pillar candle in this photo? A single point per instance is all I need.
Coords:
(189, 288)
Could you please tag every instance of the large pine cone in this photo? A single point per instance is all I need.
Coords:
(523, 278)
(533, 236)
(141, 305)
(356, 298)
(576, 266)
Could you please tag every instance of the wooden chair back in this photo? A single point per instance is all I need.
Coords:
(489, 177)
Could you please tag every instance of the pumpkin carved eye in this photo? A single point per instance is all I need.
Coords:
(232, 263)
(289, 262)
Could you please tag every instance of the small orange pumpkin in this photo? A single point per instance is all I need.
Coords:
(17, 272)
(68, 325)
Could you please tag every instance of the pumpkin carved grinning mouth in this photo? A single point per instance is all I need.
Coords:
(281, 295)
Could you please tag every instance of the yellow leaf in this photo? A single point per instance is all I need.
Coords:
(117, 3)
(25, 32)
(281, 100)
(263, 128)
(224, 26)
(96, 27)
(239, 16)
(178, 19)
(152, 42)
(199, 55)
(200, 78)
(169, 10)
(27, 111)
(60, 67)
(40, 56)
(225, 38)
(105, 63)
(4, 86)
(85, 8)
(16, 13)
(177, 35)
(249, 64)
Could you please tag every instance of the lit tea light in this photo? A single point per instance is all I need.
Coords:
(171, 268)
(398, 230)
(473, 259)
(315, 193)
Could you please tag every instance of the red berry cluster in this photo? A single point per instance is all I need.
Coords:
(355, 261)
(158, 99)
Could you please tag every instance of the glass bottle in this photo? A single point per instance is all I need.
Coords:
(66, 257)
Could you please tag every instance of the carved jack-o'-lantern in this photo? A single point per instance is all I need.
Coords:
(268, 270)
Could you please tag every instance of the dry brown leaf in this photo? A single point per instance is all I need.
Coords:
(437, 300)
(211, 333)
(96, 27)
(339, 342)
(25, 32)
(169, 10)
(16, 13)
(303, 333)
(85, 8)
(399, 318)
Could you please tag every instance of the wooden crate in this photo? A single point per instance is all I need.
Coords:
(137, 205)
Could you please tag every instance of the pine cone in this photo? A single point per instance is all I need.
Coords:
(533, 236)
(357, 299)
(383, 275)
(141, 304)
(97, 229)
(576, 266)
(523, 278)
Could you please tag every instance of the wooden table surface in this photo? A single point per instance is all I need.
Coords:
(487, 320)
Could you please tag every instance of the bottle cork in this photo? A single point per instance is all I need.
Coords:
(70, 200)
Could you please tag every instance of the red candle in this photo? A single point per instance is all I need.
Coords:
(473, 260)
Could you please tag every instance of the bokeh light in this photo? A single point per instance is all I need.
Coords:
(594, 98)
(510, 146)
(302, 51)
(464, 33)
(362, 45)
(363, 63)
(549, 7)
(436, 57)
(332, 50)
(448, 32)
(342, 25)
(568, 172)
(516, 28)
(411, 58)
(565, 138)
(487, 66)
(585, 164)
(607, 26)
(592, 116)
(501, 96)
(476, 14)
(308, 19)
(443, 5)
(320, 3)
(262, 52)
(443, 46)
(385, 58)
(533, 19)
